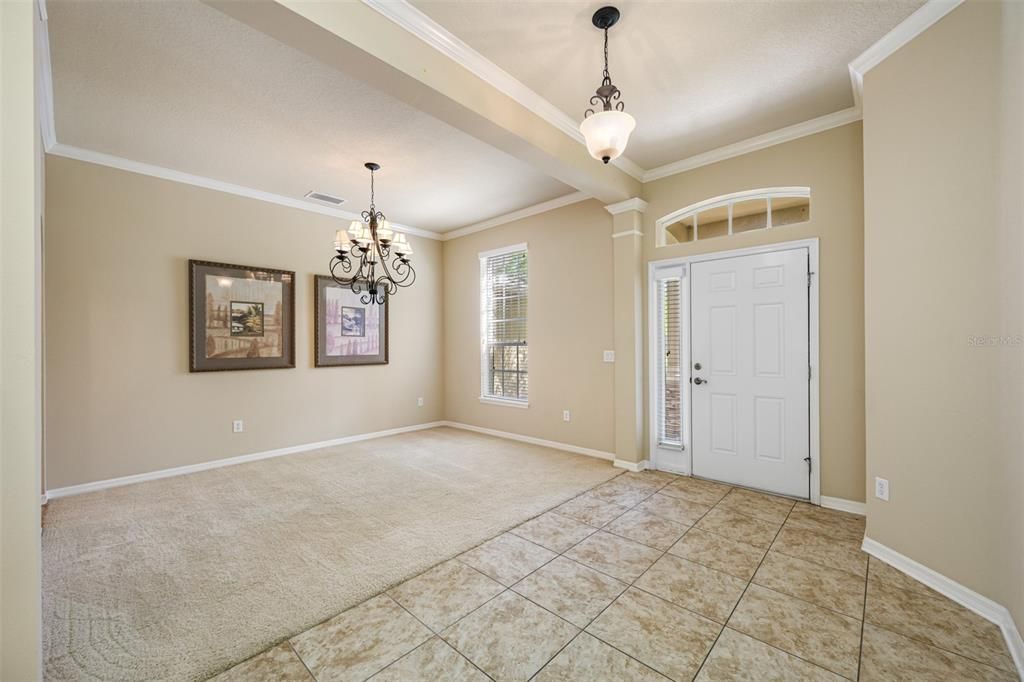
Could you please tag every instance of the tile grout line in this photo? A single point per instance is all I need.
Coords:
(863, 620)
(632, 584)
(427, 570)
(943, 649)
(939, 598)
(296, 654)
(629, 584)
(563, 555)
(751, 582)
(434, 633)
(744, 592)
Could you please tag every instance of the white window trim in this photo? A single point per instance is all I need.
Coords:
(662, 223)
(484, 397)
(504, 402)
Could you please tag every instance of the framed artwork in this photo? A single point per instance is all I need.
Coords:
(240, 317)
(347, 331)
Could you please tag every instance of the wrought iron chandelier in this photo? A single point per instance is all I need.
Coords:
(607, 131)
(365, 250)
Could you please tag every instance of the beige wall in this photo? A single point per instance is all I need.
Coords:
(943, 264)
(830, 164)
(19, 356)
(570, 324)
(119, 397)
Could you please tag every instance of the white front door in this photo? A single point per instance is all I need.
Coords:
(750, 371)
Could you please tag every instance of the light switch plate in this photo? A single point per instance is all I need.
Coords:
(566, 416)
(419, 402)
(609, 356)
(237, 426)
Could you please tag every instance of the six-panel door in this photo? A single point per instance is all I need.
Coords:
(749, 355)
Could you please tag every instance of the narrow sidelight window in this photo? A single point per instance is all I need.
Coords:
(670, 423)
(504, 286)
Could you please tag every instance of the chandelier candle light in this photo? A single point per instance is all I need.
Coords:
(366, 247)
(607, 131)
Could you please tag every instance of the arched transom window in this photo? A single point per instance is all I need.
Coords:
(729, 214)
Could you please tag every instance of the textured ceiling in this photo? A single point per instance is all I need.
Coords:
(181, 85)
(696, 74)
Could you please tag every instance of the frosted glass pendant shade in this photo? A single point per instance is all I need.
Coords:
(607, 133)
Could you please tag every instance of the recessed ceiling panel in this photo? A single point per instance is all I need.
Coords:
(697, 75)
(183, 86)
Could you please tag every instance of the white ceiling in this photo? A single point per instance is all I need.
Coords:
(182, 86)
(697, 75)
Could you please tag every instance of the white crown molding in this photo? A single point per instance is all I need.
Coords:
(416, 22)
(209, 183)
(908, 29)
(635, 204)
(230, 461)
(753, 144)
(536, 209)
(589, 452)
(848, 506)
(432, 33)
(48, 130)
(966, 597)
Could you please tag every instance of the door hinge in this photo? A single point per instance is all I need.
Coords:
(808, 372)
(809, 275)
(808, 460)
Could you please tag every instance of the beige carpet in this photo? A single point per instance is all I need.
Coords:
(182, 577)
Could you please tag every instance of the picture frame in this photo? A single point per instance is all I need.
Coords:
(347, 331)
(240, 317)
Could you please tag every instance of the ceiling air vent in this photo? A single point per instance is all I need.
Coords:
(325, 198)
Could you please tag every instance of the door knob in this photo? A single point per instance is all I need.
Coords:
(699, 381)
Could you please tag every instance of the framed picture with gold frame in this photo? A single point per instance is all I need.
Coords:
(240, 317)
(347, 330)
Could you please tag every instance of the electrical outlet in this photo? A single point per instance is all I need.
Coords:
(419, 402)
(609, 356)
(882, 488)
(566, 416)
(237, 426)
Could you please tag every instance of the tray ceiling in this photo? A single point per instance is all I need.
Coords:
(183, 86)
(697, 75)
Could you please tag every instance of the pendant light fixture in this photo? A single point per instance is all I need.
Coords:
(366, 248)
(606, 131)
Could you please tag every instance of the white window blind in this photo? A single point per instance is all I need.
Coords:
(670, 397)
(504, 365)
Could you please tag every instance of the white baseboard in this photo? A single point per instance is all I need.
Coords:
(589, 452)
(630, 466)
(966, 597)
(43, 499)
(839, 504)
(230, 461)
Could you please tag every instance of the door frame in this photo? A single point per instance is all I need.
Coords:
(814, 396)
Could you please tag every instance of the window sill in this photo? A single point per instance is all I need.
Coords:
(504, 402)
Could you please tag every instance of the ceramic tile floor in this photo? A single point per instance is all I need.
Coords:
(652, 577)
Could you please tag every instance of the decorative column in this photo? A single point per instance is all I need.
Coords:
(627, 220)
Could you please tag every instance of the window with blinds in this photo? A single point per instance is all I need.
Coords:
(503, 302)
(670, 423)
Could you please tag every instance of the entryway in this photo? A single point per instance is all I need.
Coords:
(733, 366)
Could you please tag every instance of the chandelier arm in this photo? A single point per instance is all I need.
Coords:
(346, 266)
(400, 280)
(405, 271)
